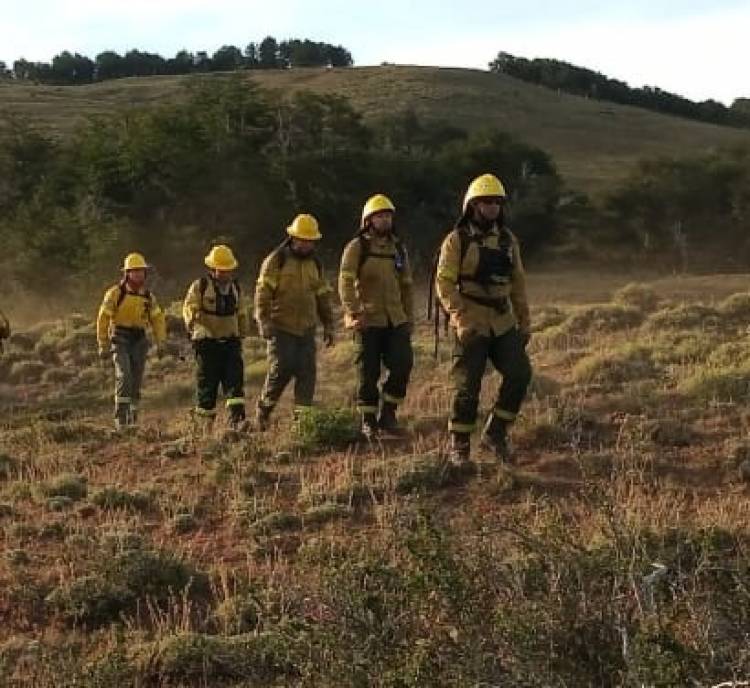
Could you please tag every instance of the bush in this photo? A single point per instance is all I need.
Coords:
(194, 657)
(58, 376)
(68, 485)
(616, 367)
(26, 372)
(638, 296)
(325, 428)
(725, 385)
(116, 498)
(90, 600)
(684, 317)
(736, 308)
(600, 318)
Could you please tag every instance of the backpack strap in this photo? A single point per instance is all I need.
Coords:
(123, 292)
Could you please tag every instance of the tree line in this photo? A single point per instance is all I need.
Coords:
(69, 68)
(580, 81)
(234, 162)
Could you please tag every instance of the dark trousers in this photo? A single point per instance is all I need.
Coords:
(290, 358)
(219, 363)
(508, 355)
(391, 348)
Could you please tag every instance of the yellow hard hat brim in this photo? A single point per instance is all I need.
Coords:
(292, 233)
(214, 266)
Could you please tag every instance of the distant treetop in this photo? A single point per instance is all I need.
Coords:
(580, 81)
(73, 68)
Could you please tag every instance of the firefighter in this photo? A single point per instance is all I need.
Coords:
(291, 296)
(376, 290)
(216, 317)
(127, 311)
(481, 284)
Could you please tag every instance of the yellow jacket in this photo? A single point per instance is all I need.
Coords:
(124, 308)
(4, 326)
(213, 312)
(457, 291)
(381, 289)
(292, 294)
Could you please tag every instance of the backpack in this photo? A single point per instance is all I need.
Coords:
(282, 254)
(224, 305)
(366, 252)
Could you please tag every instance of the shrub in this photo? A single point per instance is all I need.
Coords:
(26, 372)
(617, 367)
(325, 428)
(69, 485)
(684, 317)
(116, 498)
(638, 296)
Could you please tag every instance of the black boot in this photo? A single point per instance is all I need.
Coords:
(460, 452)
(263, 417)
(495, 438)
(237, 418)
(122, 415)
(387, 420)
(369, 425)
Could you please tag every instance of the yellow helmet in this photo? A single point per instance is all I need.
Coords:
(134, 261)
(376, 204)
(221, 258)
(304, 227)
(488, 185)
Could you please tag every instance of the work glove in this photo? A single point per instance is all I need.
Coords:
(329, 338)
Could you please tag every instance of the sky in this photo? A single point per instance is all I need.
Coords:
(697, 48)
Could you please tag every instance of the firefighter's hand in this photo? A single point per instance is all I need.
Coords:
(356, 321)
(265, 330)
(329, 339)
(104, 355)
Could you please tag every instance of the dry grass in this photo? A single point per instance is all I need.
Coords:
(301, 557)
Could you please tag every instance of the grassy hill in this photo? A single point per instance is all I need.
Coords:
(593, 142)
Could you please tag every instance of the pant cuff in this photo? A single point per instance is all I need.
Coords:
(206, 413)
(123, 400)
(391, 399)
(235, 401)
(508, 416)
(461, 428)
(364, 408)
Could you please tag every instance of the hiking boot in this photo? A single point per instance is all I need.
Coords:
(122, 416)
(263, 417)
(495, 439)
(387, 420)
(236, 416)
(460, 451)
(369, 425)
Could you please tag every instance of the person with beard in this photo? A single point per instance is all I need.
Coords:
(216, 317)
(127, 311)
(291, 296)
(376, 290)
(481, 284)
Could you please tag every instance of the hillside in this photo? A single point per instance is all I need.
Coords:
(593, 142)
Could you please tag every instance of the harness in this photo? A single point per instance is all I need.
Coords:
(366, 252)
(227, 304)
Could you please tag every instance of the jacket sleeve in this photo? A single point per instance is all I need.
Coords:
(348, 279)
(518, 295)
(323, 292)
(446, 279)
(191, 307)
(406, 281)
(4, 326)
(104, 317)
(158, 322)
(265, 288)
